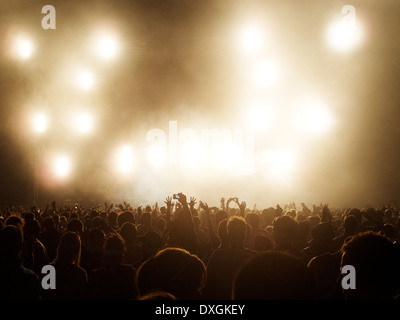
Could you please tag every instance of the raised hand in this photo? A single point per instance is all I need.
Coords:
(182, 198)
(223, 203)
(192, 202)
(204, 206)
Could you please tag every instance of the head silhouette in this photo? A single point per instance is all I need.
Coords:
(172, 270)
(376, 261)
(69, 249)
(10, 242)
(114, 249)
(285, 230)
(273, 275)
(236, 229)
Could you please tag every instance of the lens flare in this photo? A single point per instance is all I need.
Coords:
(124, 159)
(85, 80)
(106, 46)
(156, 155)
(260, 117)
(314, 117)
(344, 36)
(250, 39)
(188, 154)
(266, 73)
(40, 123)
(84, 123)
(23, 48)
(62, 166)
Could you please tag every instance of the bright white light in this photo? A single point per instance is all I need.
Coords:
(344, 36)
(62, 166)
(106, 46)
(260, 117)
(188, 154)
(156, 155)
(23, 48)
(280, 162)
(266, 73)
(84, 123)
(85, 80)
(225, 155)
(124, 159)
(40, 123)
(314, 117)
(251, 39)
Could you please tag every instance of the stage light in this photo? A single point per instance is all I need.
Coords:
(124, 159)
(156, 155)
(84, 123)
(188, 154)
(62, 166)
(260, 117)
(23, 48)
(279, 162)
(85, 80)
(106, 46)
(225, 156)
(313, 117)
(40, 123)
(344, 36)
(266, 73)
(250, 39)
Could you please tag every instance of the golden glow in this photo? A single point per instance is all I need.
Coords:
(188, 154)
(124, 159)
(40, 123)
(266, 73)
(156, 155)
(23, 47)
(250, 39)
(84, 123)
(314, 117)
(85, 79)
(280, 163)
(260, 117)
(62, 166)
(344, 36)
(105, 46)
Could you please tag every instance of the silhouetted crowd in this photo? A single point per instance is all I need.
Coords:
(187, 250)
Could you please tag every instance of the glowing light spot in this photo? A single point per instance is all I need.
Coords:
(23, 48)
(156, 155)
(266, 74)
(314, 117)
(85, 80)
(250, 39)
(188, 154)
(84, 123)
(62, 167)
(106, 46)
(40, 123)
(124, 159)
(280, 162)
(260, 117)
(344, 36)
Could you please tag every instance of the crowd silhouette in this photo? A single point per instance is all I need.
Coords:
(187, 250)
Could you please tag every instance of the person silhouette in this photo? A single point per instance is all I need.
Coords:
(114, 280)
(17, 282)
(273, 275)
(172, 270)
(224, 262)
(71, 278)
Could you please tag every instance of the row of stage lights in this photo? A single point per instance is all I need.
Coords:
(342, 36)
